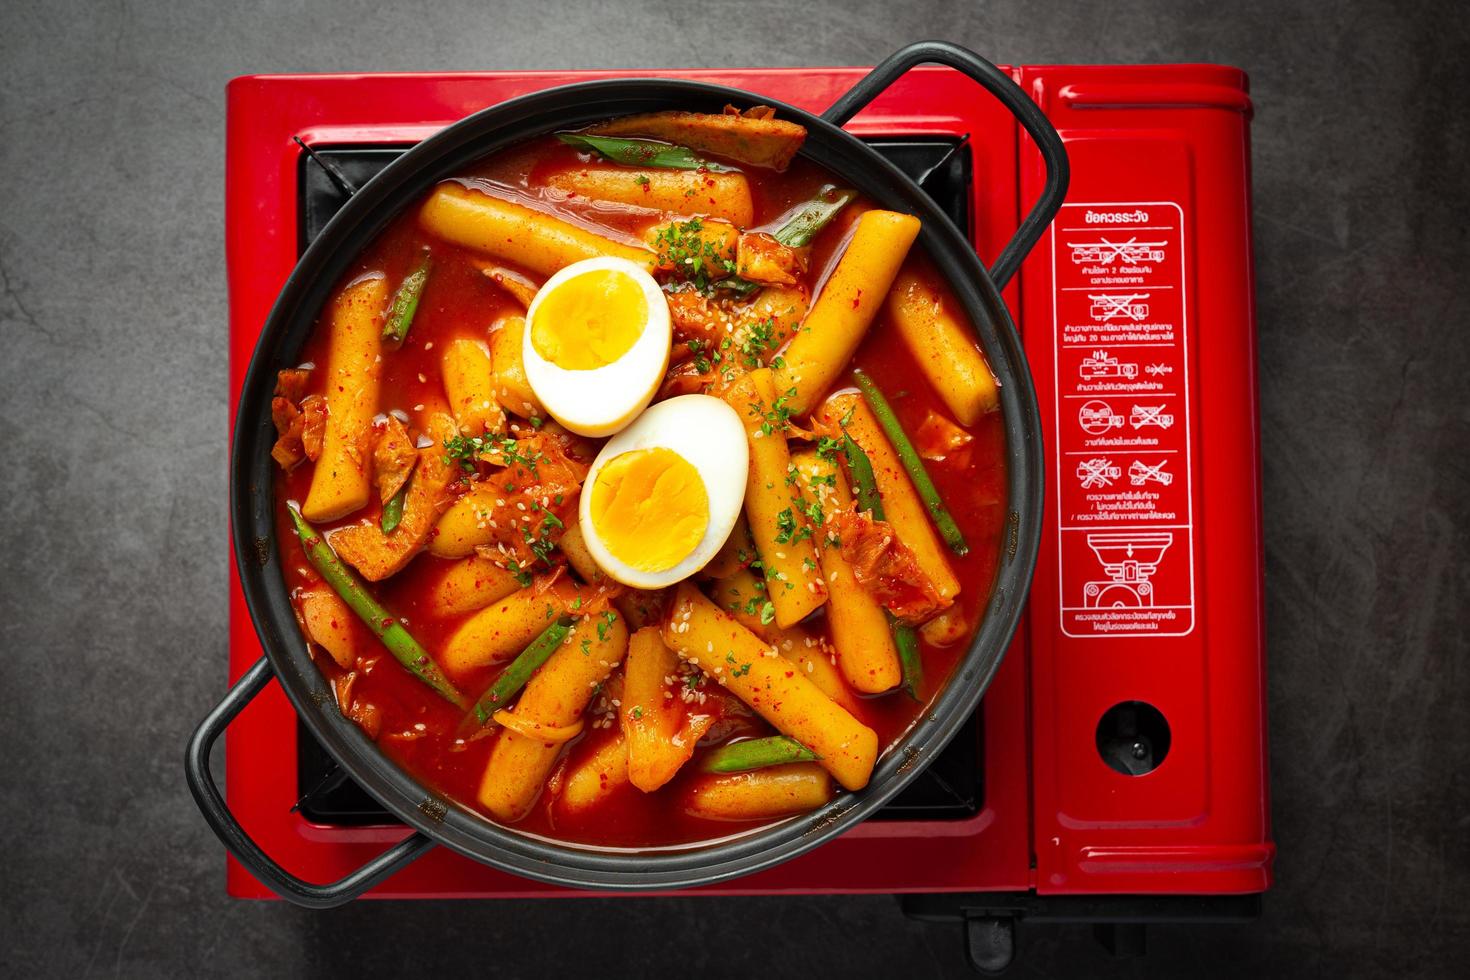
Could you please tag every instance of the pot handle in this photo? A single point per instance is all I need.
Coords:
(217, 814)
(1012, 96)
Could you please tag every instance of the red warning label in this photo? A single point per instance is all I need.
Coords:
(1122, 409)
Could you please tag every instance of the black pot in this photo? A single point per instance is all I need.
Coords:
(251, 501)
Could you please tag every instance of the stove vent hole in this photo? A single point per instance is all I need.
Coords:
(1133, 737)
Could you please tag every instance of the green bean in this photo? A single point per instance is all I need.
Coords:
(813, 216)
(642, 153)
(756, 753)
(393, 510)
(509, 683)
(912, 465)
(906, 638)
(405, 304)
(385, 626)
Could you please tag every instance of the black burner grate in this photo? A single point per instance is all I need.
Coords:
(950, 788)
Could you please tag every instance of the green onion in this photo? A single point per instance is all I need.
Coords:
(803, 226)
(756, 753)
(520, 670)
(813, 216)
(405, 304)
(642, 153)
(912, 465)
(734, 284)
(906, 638)
(393, 509)
(863, 481)
(385, 626)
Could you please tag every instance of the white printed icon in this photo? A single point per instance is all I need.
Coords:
(1106, 306)
(1140, 473)
(1159, 369)
(1097, 472)
(1097, 417)
(1103, 251)
(1143, 416)
(1129, 560)
(1101, 365)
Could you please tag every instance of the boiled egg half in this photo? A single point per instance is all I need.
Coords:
(664, 494)
(597, 344)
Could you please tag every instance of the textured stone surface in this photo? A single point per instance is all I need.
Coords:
(112, 595)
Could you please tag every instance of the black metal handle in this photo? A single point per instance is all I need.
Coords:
(1010, 95)
(232, 835)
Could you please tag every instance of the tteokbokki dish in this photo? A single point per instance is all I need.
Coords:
(641, 484)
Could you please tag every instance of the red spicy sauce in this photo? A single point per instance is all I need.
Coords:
(419, 730)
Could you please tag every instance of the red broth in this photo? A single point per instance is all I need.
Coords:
(422, 732)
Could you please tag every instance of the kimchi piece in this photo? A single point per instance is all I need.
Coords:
(885, 566)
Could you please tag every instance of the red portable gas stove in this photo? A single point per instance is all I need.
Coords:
(1116, 772)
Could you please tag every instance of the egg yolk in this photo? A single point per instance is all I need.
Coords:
(590, 320)
(650, 508)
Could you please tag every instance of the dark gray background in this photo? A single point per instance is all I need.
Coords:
(112, 452)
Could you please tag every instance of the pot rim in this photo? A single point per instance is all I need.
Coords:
(252, 499)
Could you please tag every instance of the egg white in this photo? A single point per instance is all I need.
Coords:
(708, 433)
(600, 401)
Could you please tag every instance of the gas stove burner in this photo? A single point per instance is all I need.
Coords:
(1115, 773)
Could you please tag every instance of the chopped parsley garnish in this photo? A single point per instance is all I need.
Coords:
(759, 338)
(778, 417)
(467, 451)
(785, 526)
(693, 258)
